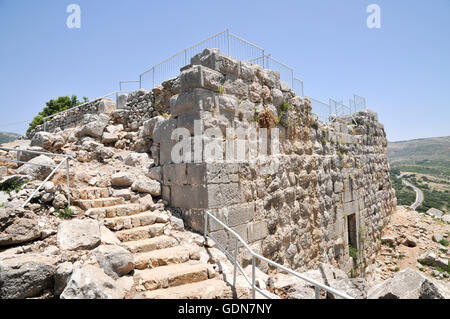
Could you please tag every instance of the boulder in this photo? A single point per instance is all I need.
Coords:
(446, 218)
(94, 129)
(436, 213)
(43, 139)
(25, 276)
(62, 276)
(109, 138)
(17, 226)
(149, 125)
(148, 186)
(122, 179)
(437, 238)
(108, 237)
(409, 284)
(90, 282)
(136, 159)
(114, 260)
(37, 172)
(78, 234)
(60, 201)
(354, 287)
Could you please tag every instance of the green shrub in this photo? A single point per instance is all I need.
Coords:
(13, 184)
(443, 242)
(324, 141)
(284, 106)
(353, 252)
(67, 213)
(220, 89)
(62, 103)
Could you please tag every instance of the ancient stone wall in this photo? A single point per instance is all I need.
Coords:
(328, 186)
(73, 117)
(317, 189)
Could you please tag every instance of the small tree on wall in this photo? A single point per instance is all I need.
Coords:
(62, 103)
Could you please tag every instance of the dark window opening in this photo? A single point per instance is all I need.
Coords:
(351, 226)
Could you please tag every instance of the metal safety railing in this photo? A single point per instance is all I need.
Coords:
(233, 46)
(252, 281)
(114, 94)
(65, 161)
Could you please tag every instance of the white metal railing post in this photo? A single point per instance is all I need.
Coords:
(45, 125)
(140, 81)
(68, 182)
(228, 41)
(253, 277)
(317, 292)
(205, 232)
(236, 248)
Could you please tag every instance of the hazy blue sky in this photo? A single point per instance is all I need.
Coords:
(403, 69)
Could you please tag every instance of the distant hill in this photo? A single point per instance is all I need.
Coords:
(8, 137)
(435, 149)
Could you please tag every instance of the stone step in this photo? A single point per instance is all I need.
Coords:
(86, 204)
(139, 233)
(146, 245)
(162, 257)
(89, 193)
(114, 211)
(141, 219)
(172, 275)
(207, 289)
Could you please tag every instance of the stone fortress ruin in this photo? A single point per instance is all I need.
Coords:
(322, 192)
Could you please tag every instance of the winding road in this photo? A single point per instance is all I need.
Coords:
(419, 194)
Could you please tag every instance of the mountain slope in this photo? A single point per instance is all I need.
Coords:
(436, 149)
(8, 137)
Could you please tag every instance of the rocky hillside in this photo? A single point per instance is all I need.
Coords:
(8, 137)
(427, 149)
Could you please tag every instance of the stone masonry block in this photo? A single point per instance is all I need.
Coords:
(175, 174)
(193, 102)
(241, 230)
(217, 61)
(240, 214)
(188, 196)
(220, 195)
(350, 208)
(163, 130)
(257, 231)
(199, 77)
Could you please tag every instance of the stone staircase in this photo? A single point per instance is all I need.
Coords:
(165, 265)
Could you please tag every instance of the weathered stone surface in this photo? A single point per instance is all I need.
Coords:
(149, 126)
(25, 276)
(147, 186)
(62, 276)
(37, 172)
(108, 237)
(122, 179)
(79, 234)
(17, 228)
(436, 213)
(409, 284)
(90, 282)
(60, 201)
(94, 129)
(137, 159)
(114, 260)
(354, 287)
